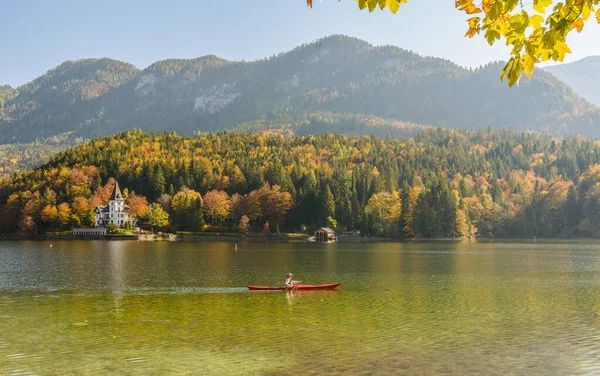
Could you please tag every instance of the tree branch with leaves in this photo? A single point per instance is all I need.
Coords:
(537, 32)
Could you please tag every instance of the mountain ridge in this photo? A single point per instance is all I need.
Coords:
(335, 74)
(582, 75)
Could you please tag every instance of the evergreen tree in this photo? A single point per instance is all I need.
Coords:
(327, 204)
(573, 211)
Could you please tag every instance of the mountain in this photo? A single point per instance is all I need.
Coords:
(6, 94)
(60, 99)
(338, 75)
(583, 76)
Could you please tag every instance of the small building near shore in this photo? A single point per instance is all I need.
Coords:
(84, 232)
(324, 235)
(116, 212)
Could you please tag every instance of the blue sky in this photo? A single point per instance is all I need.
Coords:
(38, 35)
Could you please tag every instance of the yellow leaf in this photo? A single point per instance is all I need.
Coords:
(598, 16)
(472, 9)
(529, 64)
(562, 47)
(514, 75)
(462, 4)
(485, 4)
(585, 12)
(541, 5)
(536, 21)
(473, 27)
(507, 68)
(393, 5)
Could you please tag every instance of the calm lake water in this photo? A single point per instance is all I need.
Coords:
(413, 308)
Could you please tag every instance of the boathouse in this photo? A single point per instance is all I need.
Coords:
(82, 232)
(324, 235)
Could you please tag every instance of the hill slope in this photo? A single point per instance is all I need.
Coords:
(442, 183)
(337, 74)
(583, 76)
(61, 99)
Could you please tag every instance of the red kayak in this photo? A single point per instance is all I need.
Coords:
(330, 286)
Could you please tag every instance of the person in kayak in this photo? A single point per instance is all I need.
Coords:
(289, 282)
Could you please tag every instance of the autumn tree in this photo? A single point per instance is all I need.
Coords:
(155, 217)
(217, 206)
(80, 206)
(104, 192)
(27, 226)
(252, 205)
(49, 214)
(187, 210)
(63, 214)
(244, 224)
(30, 216)
(275, 204)
(137, 205)
(384, 210)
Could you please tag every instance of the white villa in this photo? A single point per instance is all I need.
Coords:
(116, 212)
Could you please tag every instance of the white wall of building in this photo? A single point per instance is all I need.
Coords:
(116, 215)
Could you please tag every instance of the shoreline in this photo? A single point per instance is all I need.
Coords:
(275, 238)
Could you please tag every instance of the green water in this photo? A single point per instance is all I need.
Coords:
(121, 308)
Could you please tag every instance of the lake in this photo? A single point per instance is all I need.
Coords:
(155, 308)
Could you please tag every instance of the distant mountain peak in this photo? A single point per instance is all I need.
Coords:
(587, 59)
(172, 67)
(582, 75)
(342, 39)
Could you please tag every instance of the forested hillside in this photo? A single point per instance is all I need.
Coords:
(336, 75)
(24, 156)
(60, 101)
(21, 156)
(442, 183)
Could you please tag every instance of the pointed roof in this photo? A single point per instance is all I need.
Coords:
(116, 195)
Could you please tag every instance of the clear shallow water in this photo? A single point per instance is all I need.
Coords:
(412, 308)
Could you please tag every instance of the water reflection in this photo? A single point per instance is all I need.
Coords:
(296, 296)
(116, 252)
(411, 308)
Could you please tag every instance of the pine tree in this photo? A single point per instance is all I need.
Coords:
(573, 210)
(327, 204)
